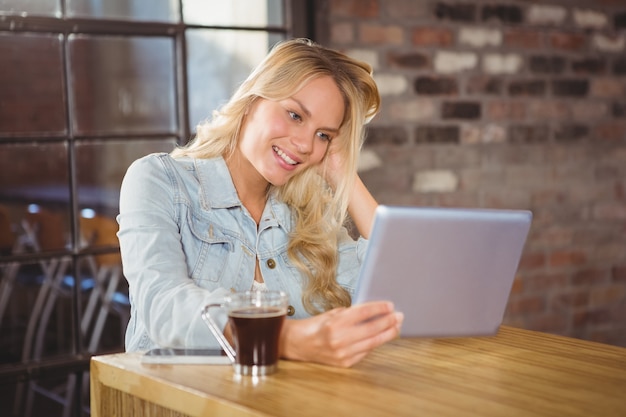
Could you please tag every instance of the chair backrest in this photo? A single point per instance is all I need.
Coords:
(101, 231)
(49, 228)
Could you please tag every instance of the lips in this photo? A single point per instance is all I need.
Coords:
(284, 156)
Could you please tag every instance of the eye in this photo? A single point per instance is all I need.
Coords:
(324, 136)
(294, 116)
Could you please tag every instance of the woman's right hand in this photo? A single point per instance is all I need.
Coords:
(342, 336)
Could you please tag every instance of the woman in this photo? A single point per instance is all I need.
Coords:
(258, 200)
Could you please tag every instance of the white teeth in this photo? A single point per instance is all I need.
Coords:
(284, 156)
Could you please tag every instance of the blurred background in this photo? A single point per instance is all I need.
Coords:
(500, 104)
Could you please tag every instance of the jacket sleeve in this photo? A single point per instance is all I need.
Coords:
(166, 301)
(351, 255)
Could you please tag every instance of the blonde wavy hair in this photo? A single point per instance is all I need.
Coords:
(319, 212)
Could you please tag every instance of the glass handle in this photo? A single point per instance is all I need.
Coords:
(214, 328)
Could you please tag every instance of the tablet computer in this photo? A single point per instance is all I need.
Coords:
(449, 270)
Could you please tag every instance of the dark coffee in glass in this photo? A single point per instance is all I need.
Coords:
(256, 319)
(256, 332)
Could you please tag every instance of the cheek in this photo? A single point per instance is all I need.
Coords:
(319, 152)
(264, 120)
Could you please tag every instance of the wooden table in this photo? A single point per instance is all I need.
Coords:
(516, 373)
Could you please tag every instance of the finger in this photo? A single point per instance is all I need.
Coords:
(366, 311)
(349, 325)
(378, 324)
(342, 338)
(376, 340)
(355, 352)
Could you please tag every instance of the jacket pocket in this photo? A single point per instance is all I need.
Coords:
(208, 252)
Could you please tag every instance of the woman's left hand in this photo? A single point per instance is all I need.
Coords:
(342, 336)
(330, 168)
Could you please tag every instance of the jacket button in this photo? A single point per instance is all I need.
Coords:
(271, 264)
(291, 311)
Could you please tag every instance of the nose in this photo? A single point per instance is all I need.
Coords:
(303, 141)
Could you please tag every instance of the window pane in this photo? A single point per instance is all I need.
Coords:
(122, 85)
(217, 62)
(36, 201)
(250, 13)
(36, 7)
(31, 76)
(100, 168)
(153, 10)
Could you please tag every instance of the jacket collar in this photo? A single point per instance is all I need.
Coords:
(217, 190)
(216, 185)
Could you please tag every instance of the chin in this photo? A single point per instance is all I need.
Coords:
(278, 183)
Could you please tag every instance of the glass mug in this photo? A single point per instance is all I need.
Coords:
(256, 319)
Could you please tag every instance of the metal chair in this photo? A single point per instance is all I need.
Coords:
(101, 231)
(102, 276)
(42, 231)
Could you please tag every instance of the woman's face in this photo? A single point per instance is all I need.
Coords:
(282, 138)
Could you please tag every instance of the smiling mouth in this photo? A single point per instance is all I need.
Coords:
(284, 156)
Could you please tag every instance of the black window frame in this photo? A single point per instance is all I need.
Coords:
(299, 22)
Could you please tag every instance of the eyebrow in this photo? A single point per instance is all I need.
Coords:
(308, 114)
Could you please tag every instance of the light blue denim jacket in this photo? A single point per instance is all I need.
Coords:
(186, 241)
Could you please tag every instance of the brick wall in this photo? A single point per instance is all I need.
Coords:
(507, 104)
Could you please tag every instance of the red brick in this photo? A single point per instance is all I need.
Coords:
(620, 190)
(549, 322)
(554, 236)
(570, 132)
(570, 87)
(586, 277)
(589, 66)
(432, 37)
(412, 60)
(565, 301)
(380, 34)
(588, 110)
(355, 8)
(615, 335)
(549, 197)
(609, 210)
(526, 304)
(608, 87)
(614, 131)
(611, 294)
(406, 9)
(567, 258)
(521, 38)
(481, 84)
(532, 260)
(618, 313)
(609, 2)
(518, 285)
(548, 109)
(546, 282)
(592, 317)
(515, 321)
(508, 199)
(342, 33)
(506, 110)
(618, 273)
(568, 41)
(458, 200)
